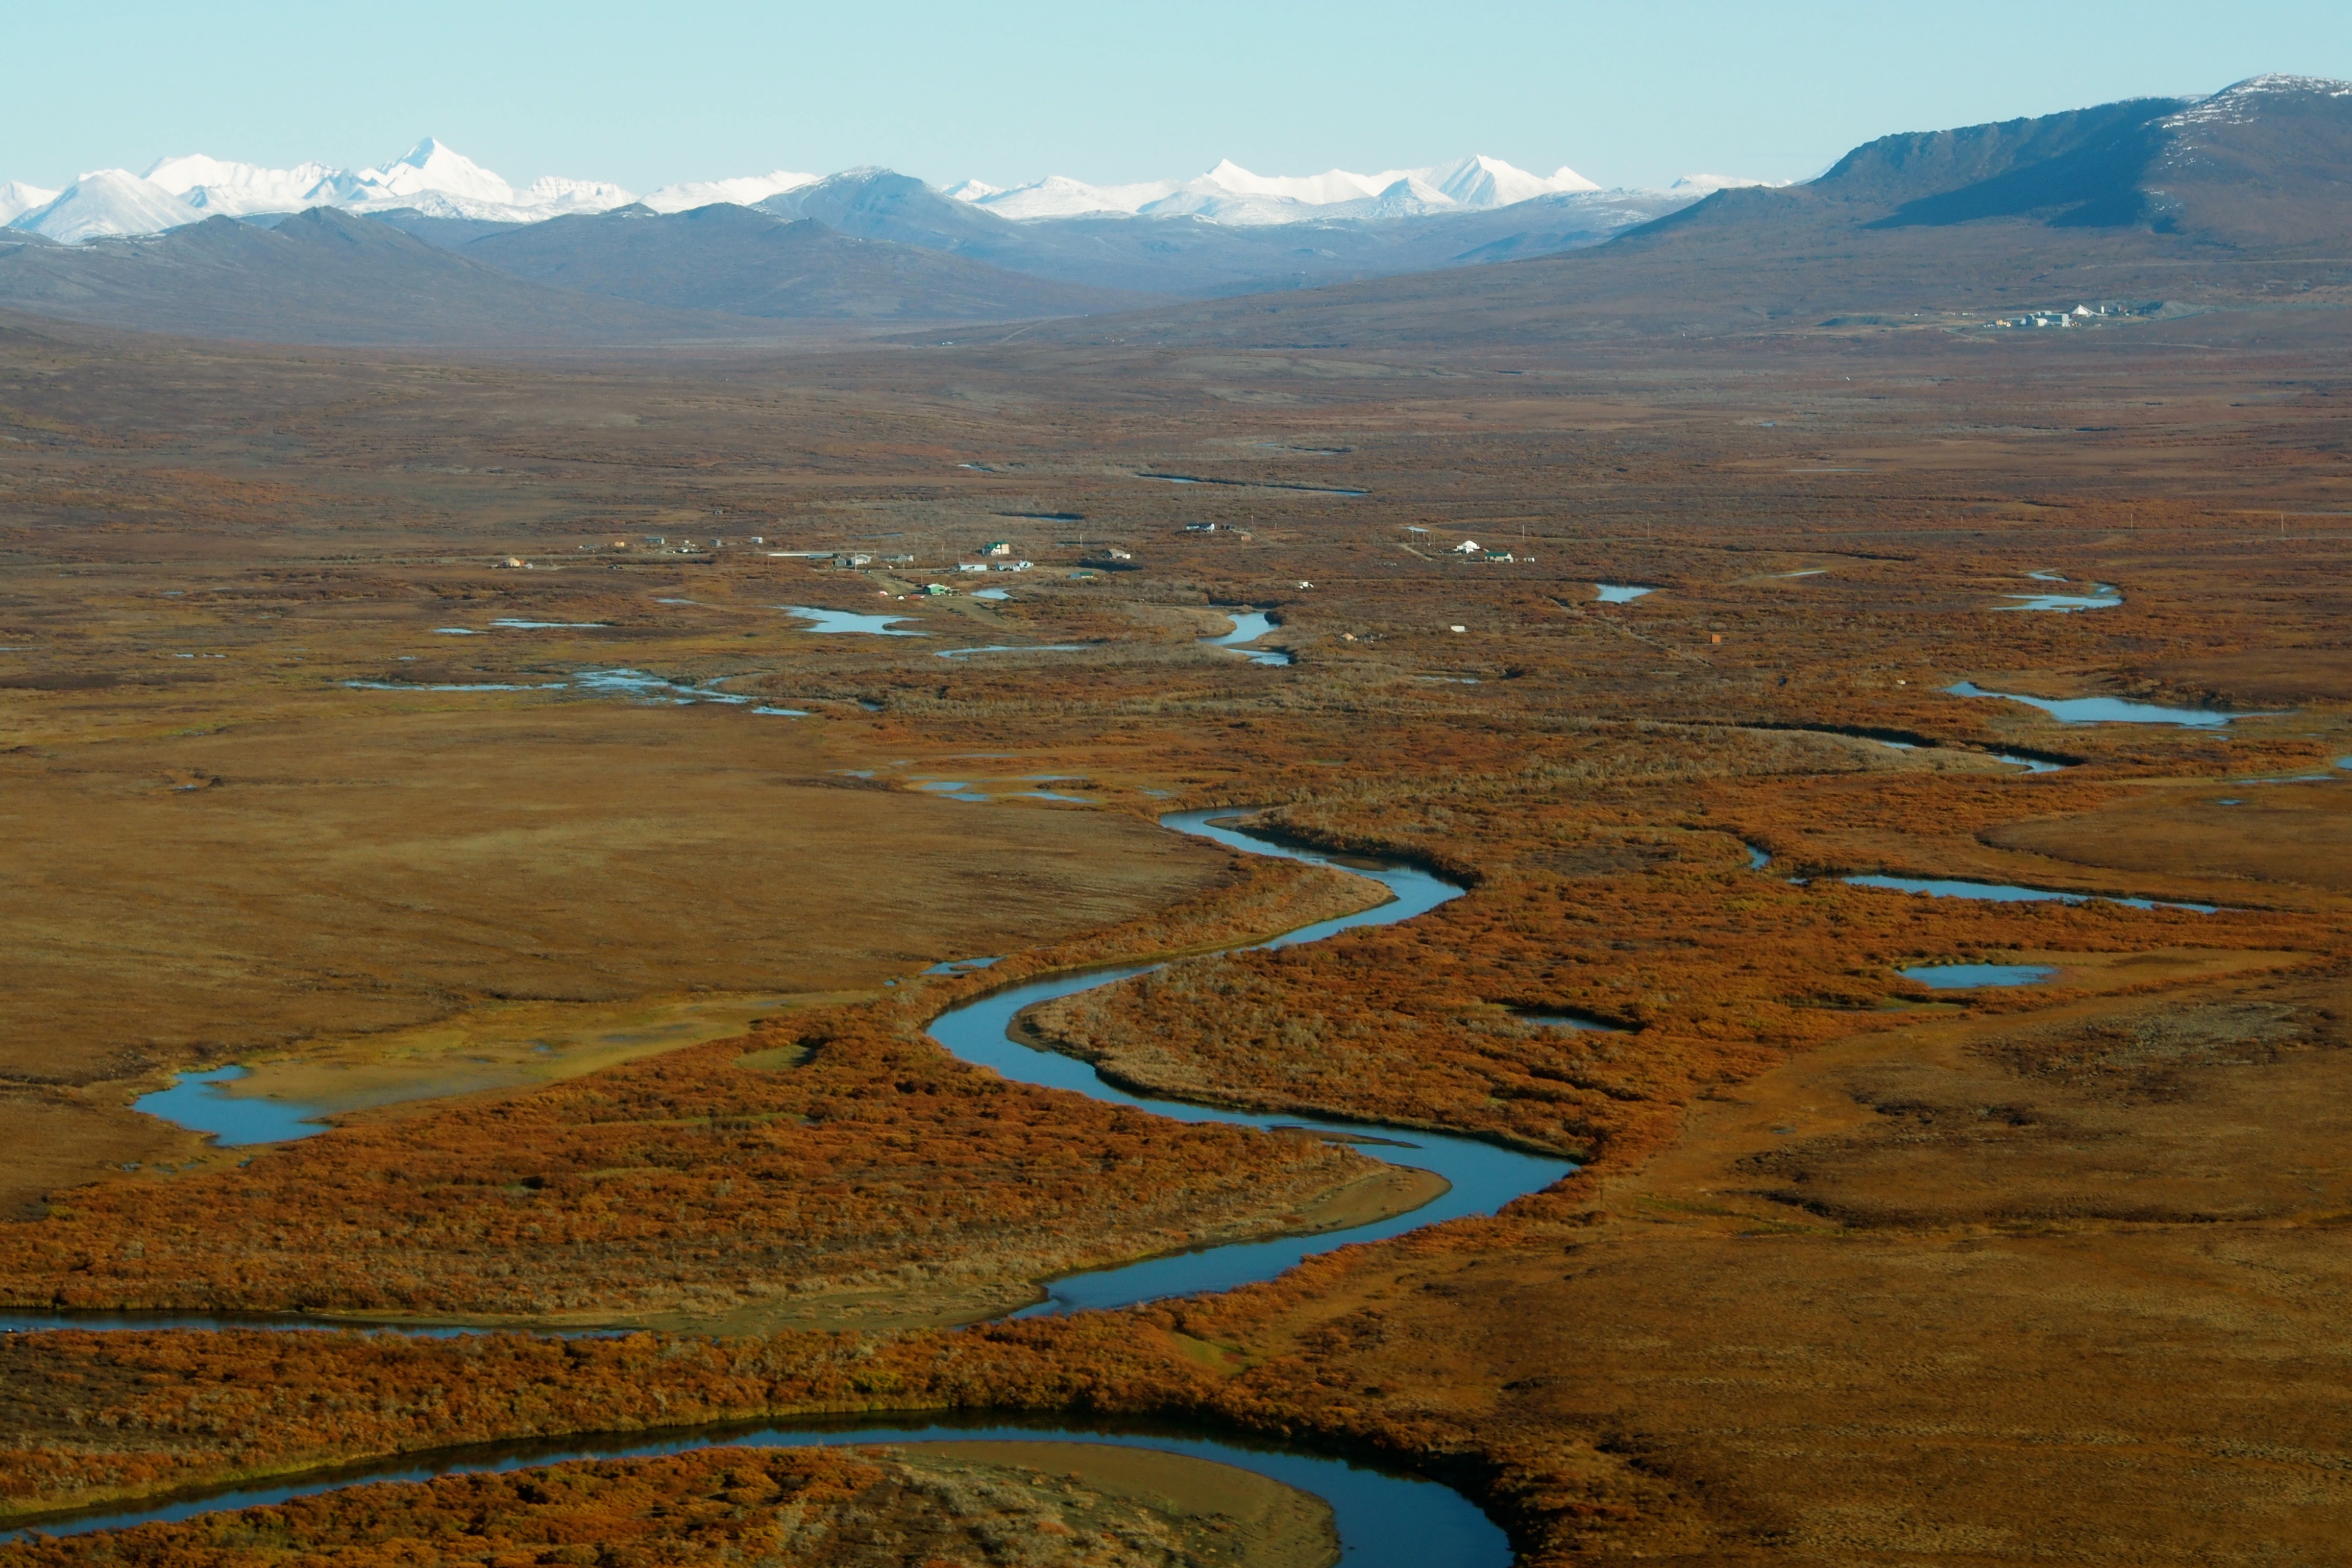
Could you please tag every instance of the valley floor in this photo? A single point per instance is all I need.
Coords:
(427, 737)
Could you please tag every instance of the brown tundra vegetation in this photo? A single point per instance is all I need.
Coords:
(1854, 1271)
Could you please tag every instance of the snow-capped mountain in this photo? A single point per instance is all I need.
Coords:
(744, 192)
(17, 198)
(431, 177)
(438, 181)
(1482, 182)
(108, 202)
(1231, 193)
(212, 186)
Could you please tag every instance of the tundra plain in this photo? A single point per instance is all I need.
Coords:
(317, 761)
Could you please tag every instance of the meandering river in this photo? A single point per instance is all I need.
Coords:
(1384, 1517)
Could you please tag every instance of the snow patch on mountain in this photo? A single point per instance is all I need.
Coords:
(2241, 100)
(1707, 185)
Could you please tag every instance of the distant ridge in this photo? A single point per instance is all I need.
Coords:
(746, 261)
(321, 277)
(2155, 199)
(434, 181)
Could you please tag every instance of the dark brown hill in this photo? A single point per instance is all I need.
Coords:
(2242, 200)
(1196, 257)
(742, 261)
(320, 277)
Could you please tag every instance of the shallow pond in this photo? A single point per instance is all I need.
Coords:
(1386, 1519)
(1620, 593)
(200, 1102)
(2105, 710)
(850, 621)
(1248, 626)
(1969, 976)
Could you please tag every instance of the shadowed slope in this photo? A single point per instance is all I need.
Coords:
(743, 261)
(2147, 201)
(321, 275)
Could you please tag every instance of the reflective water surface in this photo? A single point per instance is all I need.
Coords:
(2107, 710)
(1386, 1519)
(1969, 976)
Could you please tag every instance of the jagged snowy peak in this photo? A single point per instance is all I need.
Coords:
(743, 191)
(429, 168)
(110, 201)
(1484, 182)
(212, 186)
(1231, 193)
(554, 194)
(17, 198)
(1408, 197)
(1316, 189)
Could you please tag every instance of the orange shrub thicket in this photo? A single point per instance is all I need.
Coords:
(817, 1508)
(689, 1183)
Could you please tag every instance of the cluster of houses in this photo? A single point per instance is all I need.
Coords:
(2058, 317)
(660, 544)
(998, 557)
(1473, 550)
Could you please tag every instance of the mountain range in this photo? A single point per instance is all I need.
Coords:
(2156, 210)
(2219, 199)
(436, 181)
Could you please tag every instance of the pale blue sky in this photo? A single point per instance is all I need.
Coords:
(647, 94)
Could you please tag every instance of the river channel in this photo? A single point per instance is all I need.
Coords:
(1383, 1518)
(1386, 1519)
